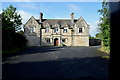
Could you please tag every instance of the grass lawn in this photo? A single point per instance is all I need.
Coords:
(12, 51)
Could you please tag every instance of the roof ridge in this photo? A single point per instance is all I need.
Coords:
(57, 19)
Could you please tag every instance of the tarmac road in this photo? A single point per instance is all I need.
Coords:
(56, 63)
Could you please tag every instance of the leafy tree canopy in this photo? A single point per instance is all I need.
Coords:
(11, 19)
(104, 26)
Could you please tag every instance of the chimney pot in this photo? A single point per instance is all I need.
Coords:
(72, 18)
(41, 16)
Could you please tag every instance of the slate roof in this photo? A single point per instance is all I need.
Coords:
(57, 21)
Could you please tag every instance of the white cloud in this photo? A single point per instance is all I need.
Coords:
(29, 6)
(58, 0)
(34, 7)
(73, 7)
(0, 12)
(16, 1)
(93, 28)
(25, 16)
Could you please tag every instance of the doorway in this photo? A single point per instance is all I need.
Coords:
(56, 42)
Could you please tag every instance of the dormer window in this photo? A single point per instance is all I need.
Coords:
(80, 30)
(56, 29)
(65, 30)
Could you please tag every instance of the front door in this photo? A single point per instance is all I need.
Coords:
(55, 42)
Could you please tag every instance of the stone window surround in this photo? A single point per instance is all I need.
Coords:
(55, 29)
(65, 30)
(32, 29)
(47, 29)
(47, 40)
(81, 30)
(64, 40)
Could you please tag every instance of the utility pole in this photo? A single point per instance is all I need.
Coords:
(72, 31)
(40, 34)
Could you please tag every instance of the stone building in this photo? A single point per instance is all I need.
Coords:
(57, 32)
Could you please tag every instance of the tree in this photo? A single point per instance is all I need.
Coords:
(90, 37)
(105, 24)
(98, 36)
(11, 19)
(11, 22)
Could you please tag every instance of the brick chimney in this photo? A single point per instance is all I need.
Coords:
(41, 16)
(72, 18)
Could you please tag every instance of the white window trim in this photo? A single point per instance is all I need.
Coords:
(83, 28)
(48, 39)
(46, 29)
(79, 30)
(32, 29)
(65, 29)
(65, 40)
(55, 30)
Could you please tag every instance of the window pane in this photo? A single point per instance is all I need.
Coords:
(64, 40)
(32, 29)
(64, 30)
(56, 29)
(80, 30)
(47, 40)
(47, 29)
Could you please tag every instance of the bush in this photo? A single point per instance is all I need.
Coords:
(19, 40)
(14, 40)
(105, 49)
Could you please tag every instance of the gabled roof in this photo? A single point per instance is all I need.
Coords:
(32, 17)
(81, 19)
(57, 21)
(60, 22)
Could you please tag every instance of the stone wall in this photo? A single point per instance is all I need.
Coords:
(72, 38)
(33, 41)
(81, 41)
(34, 37)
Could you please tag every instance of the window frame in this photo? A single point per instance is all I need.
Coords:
(47, 29)
(55, 29)
(65, 30)
(47, 40)
(65, 40)
(32, 29)
(80, 30)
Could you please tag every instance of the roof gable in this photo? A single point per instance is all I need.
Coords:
(81, 22)
(30, 20)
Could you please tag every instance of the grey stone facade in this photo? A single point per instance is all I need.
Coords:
(57, 32)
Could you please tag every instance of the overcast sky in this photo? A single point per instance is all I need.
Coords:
(88, 10)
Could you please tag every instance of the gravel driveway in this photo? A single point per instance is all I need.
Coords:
(83, 63)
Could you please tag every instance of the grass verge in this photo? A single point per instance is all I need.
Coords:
(102, 49)
(12, 51)
(106, 57)
(105, 49)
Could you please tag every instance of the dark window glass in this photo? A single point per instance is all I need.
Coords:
(80, 30)
(56, 29)
(65, 30)
(47, 40)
